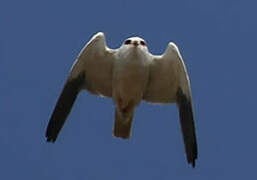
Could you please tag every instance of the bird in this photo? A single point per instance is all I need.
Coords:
(129, 74)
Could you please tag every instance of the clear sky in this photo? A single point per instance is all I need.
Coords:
(39, 41)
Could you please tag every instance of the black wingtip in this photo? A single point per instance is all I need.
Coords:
(63, 107)
(187, 126)
(193, 164)
(50, 140)
(50, 135)
(193, 156)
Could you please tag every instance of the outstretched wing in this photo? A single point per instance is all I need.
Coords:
(92, 71)
(169, 83)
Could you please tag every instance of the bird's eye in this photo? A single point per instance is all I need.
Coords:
(127, 42)
(143, 43)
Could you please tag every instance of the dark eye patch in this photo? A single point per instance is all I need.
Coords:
(143, 43)
(127, 42)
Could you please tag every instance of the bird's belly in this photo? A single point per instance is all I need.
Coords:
(130, 85)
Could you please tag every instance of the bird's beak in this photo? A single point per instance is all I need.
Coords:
(135, 43)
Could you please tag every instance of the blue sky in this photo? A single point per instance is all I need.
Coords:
(40, 40)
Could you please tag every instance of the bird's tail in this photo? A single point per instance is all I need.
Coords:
(123, 123)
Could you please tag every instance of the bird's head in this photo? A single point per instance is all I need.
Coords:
(135, 43)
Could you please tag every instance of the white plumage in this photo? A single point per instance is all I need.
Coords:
(128, 75)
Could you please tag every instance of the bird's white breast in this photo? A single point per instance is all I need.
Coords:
(130, 74)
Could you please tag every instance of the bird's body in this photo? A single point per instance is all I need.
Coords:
(128, 75)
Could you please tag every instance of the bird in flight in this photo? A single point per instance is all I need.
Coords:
(128, 75)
